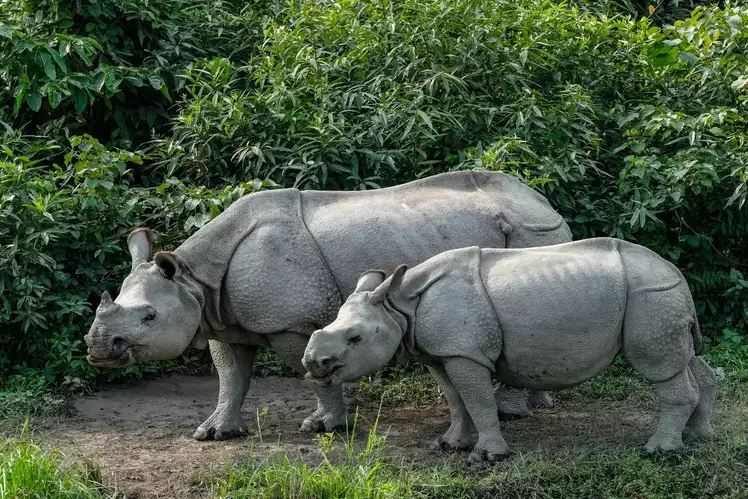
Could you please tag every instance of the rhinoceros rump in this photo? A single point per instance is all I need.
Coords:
(276, 266)
(541, 318)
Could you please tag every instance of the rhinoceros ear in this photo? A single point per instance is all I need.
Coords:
(139, 242)
(168, 263)
(387, 288)
(370, 280)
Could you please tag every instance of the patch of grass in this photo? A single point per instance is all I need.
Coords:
(26, 470)
(356, 472)
(730, 362)
(24, 396)
(716, 469)
(403, 388)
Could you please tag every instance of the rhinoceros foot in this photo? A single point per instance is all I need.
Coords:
(666, 444)
(512, 403)
(442, 444)
(326, 423)
(492, 450)
(540, 400)
(221, 425)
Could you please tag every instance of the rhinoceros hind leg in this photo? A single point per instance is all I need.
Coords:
(678, 398)
(540, 400)
(459, 436)
(699, 425)
(234, 365)
(512, 403)
(472, 382)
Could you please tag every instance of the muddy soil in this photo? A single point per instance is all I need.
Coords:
(140, 433)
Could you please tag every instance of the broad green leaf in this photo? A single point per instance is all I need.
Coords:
(98, 82)
(111, 80)
(80, 98)
(34, 99)
(155, 81)
(6, 31)
(49, 66)
(165, 92)
(54, 97)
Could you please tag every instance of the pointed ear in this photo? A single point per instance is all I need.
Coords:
(392, 285)
(168, 263)
(369, 280)
(397, 278)
(139, 243)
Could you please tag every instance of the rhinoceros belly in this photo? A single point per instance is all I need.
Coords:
(560, 309)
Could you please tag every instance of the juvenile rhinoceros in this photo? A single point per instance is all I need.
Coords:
(541, 318)
(276, 265)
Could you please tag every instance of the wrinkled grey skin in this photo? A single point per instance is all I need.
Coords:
(541, 318)
(275, 267)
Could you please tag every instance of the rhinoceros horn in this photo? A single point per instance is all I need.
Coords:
(106, 301)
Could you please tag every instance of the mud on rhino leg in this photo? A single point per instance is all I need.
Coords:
(331, 412)
(699, 425)
(459, 436)
(234, 365)
(472, 382)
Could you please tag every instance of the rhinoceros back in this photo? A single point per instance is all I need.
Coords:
(561, 309)
(410, 223)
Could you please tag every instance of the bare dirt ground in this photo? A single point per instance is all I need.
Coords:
(140, 433)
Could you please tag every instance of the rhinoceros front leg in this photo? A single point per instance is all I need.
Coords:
(472, 382)
(459, 436)
(234, 365)
(331, 412)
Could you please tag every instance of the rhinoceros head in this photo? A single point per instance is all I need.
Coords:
(155, 315)
(363, 337)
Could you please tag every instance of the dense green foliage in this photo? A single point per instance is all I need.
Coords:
(119, 114)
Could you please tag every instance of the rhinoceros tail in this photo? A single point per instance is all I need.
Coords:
(696, 335)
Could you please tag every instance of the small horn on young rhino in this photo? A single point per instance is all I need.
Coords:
(139, 243)
(106, 301)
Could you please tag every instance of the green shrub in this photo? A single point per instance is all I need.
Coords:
(630, 129)
(664, 164)
(62, 243)
(107, 67)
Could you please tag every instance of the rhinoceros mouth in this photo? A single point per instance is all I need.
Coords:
(327, 380)
(123, 360)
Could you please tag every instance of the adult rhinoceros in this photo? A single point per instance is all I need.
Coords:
(277, 265)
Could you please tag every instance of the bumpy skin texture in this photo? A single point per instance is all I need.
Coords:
(276, 266)
(542, 318)
(303, 252)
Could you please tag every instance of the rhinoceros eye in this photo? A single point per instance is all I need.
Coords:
(354, 340)
(148, 317)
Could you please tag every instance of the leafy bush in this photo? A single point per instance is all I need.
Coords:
(106, 67)
(664, 163)
(62, 242)
(631, 129)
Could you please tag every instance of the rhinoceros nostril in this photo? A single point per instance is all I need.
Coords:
(118, 345)
(326, 361)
